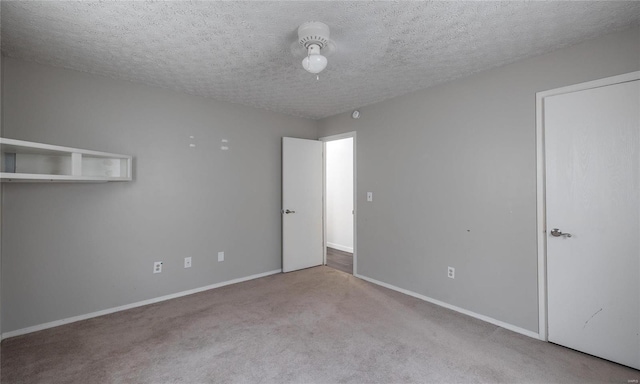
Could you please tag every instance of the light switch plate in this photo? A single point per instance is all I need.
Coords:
(369, 196)
(220, 256)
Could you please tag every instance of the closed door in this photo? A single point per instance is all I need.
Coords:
(593, 220)
(302, 244)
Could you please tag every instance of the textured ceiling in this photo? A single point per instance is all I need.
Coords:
(241, 51)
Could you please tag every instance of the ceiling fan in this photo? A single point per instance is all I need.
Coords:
(314, 41)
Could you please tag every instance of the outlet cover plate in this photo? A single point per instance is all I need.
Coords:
(451, 272)
(157, 267)
(187, 262)
(220, 256)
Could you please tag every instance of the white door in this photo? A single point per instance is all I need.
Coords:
(592, 143)
(302, 243)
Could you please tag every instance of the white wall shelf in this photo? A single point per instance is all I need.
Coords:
(26, 161)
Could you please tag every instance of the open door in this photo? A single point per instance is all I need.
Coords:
(339, 201)
(302, 244)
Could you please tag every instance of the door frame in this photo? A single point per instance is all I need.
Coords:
(541, 230)
(324, 195)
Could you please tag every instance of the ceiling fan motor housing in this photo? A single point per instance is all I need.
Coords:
(313, 32)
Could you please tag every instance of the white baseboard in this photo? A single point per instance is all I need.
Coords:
(73, 319)
(340, 247)
(488, 319)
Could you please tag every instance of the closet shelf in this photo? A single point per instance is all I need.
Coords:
(26, 161)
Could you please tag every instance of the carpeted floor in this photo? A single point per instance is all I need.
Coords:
(318, 325)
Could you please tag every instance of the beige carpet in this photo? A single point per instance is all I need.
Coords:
(314, 326)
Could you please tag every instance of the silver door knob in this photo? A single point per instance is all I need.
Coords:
(555, 232)
(288, 211)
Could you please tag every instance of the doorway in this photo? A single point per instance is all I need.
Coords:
(588, 217)
(339, 202)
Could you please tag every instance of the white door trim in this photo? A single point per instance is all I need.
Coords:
(355, 194)
(541, 187)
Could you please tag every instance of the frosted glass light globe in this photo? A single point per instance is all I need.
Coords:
(314, 63)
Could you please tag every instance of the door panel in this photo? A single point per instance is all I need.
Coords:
(592, 144)
(302, 197)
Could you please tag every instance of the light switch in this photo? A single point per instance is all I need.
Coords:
(369, 196)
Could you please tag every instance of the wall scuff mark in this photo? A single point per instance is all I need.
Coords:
(587, 322)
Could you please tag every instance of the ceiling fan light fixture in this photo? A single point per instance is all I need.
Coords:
(314, 36)
(314, 62)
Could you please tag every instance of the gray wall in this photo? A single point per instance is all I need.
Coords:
(1, 187)
(71, 249)
(453, 172)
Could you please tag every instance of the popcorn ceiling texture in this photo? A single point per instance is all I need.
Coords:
(241, 51)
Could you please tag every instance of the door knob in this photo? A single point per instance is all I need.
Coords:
(288, 211)
(555, 232)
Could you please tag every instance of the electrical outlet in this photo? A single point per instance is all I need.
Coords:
(220, 256)
(187, 262)
(157, 267)
(451, 273)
